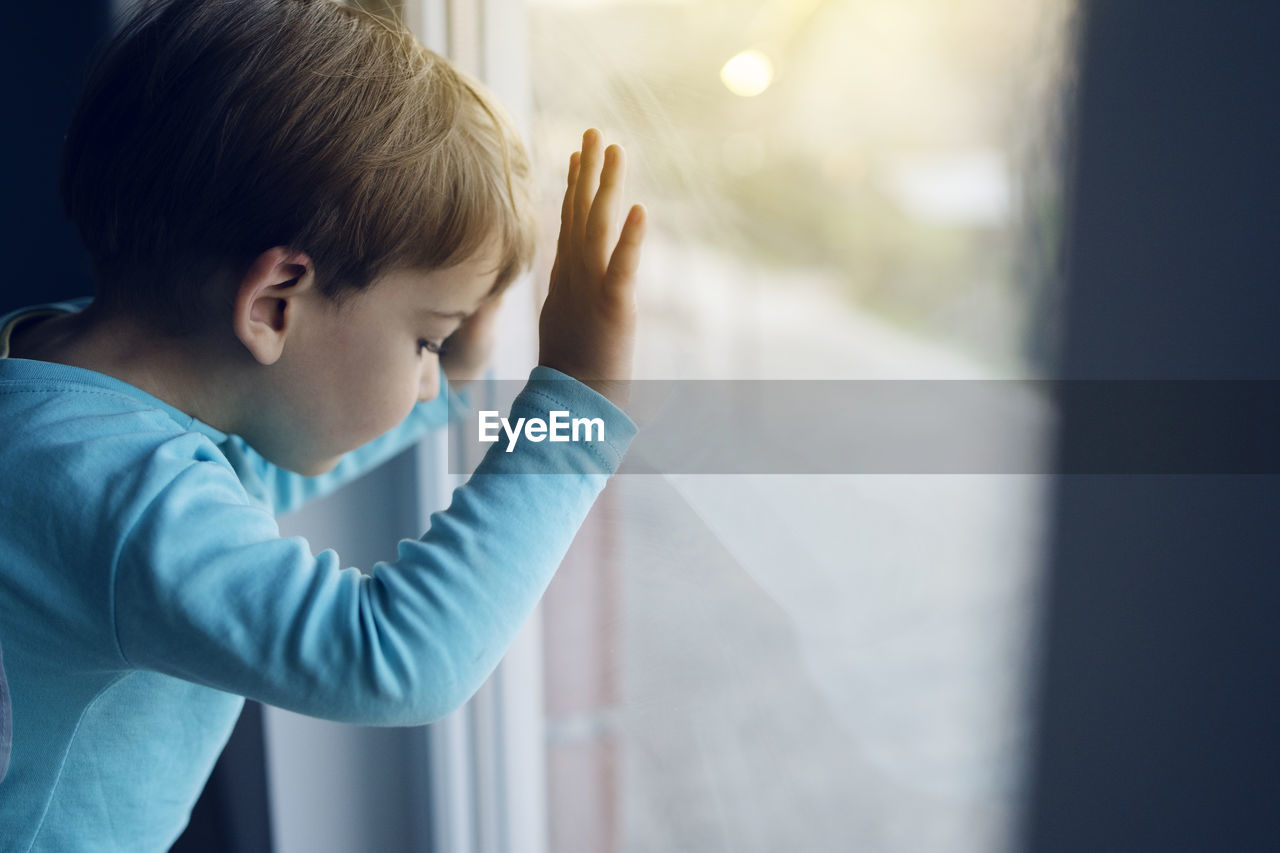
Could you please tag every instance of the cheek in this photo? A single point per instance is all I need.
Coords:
(380, 393)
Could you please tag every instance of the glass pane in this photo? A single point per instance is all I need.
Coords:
(854, 189)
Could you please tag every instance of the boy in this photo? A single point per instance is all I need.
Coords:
(300, 222)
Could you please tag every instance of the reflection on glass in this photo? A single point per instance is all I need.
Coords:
(837, 189)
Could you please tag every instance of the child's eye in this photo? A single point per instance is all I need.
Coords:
(429, 346)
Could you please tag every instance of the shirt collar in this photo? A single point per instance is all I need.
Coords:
(31, 370)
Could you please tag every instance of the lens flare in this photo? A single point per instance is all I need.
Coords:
(747, 74)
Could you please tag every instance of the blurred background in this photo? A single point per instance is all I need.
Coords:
(813, 165)
(860, 189)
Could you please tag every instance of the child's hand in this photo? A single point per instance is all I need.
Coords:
(587, 327)
(466, 352)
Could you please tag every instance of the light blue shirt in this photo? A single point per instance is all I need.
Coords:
(145, 589)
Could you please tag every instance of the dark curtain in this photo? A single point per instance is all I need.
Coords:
(49, 48)
(1158, 696)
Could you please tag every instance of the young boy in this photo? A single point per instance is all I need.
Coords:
(300, 223)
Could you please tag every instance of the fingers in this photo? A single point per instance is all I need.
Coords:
(601, 221)
(589, 214)
(587, 181)
(626, 257)
(566, 209)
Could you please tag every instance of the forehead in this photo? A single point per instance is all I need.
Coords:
(449, 293)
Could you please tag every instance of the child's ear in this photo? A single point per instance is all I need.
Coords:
(266, 302)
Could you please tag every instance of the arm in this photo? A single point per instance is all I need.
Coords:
(285, 491)
(206, 590)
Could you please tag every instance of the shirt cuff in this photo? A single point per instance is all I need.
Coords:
(549, 389)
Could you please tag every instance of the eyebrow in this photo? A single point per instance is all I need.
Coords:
(459, 315)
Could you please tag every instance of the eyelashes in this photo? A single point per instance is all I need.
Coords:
(430, 346)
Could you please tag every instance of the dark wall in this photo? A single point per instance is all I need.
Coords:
(1159, 692)
(49, 46)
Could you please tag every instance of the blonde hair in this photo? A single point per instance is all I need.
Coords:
(212, 130)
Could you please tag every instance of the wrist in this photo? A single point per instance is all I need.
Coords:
(616, 391)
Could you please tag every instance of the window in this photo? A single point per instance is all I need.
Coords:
(837, 190)
(756, 662)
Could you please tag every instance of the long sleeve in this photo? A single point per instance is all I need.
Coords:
(284, 491)
(205, 589)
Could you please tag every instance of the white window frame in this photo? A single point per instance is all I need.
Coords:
(486, 763)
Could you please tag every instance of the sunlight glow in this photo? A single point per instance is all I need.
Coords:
(747, 74)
